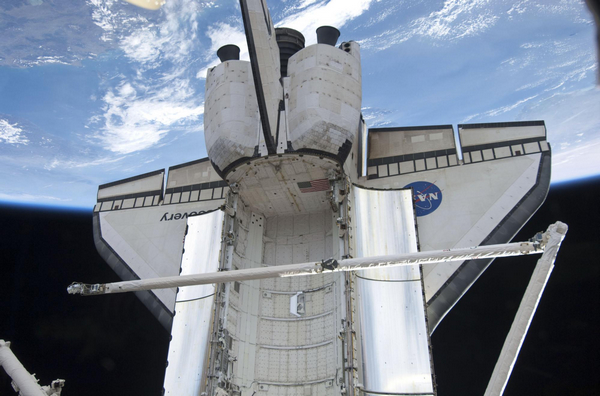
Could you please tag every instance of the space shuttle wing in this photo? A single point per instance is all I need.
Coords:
(139, 225)
(485, 198)
(265, 63)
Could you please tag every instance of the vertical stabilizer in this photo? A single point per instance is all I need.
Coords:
(264, 58)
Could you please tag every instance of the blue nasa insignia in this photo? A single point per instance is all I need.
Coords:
(426, 196)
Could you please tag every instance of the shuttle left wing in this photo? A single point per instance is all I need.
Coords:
(139, 226)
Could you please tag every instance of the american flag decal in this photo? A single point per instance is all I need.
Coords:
(314, 186)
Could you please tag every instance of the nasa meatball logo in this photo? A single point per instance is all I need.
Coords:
(426, 196)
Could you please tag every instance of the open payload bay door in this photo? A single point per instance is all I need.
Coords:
(483, 199)
(394, 346)
(190, 333)
(139, 226)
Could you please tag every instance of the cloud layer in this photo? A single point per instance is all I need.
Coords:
(12, 134)
(446, 61)
(160, 97)
(309, 15)
(455, 19)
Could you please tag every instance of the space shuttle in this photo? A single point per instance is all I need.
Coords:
(295, 175)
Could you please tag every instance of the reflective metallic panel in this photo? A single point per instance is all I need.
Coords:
(394, 345)
(191, 325)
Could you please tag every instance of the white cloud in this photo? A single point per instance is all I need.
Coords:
(567, 63)
(377, 17)
(58, 163)
(504, 109)
(142, 46)
(305, 17)
(159, 98)
(133, 122)
(455, 20)
(41, 60)
(445, 23)
(499, 110)
(113, 18)
(314, 14)
(296, 7)
(11, 133)
(518, 8)
(376, 117)
(221, 34)
(565, 8)
(573, 125)
(23, 197)
(474, 25)
(531, 45)
(576, 163)
(144, 41)
(172, 38)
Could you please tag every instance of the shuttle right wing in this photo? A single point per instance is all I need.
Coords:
(484, 199)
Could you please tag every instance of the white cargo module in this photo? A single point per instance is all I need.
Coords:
(294, 176)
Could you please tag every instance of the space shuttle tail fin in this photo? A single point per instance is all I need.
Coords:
(265, 62)
(139, 225)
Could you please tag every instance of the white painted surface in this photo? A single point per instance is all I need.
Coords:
(267, 57)
(231, 113)
(278, 352)
(242, 313)
(502, 152)
(270, 186)
(531, 147)
(477, 136)
(325, 96)
(20, 376)
(475, 198)
(150, 240)
(501, 198)
(192, 174)
(151, 183)
(297, 355)
(392, 143)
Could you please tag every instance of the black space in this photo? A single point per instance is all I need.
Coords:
(560, 355)
(108, 345)
(111, 345)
